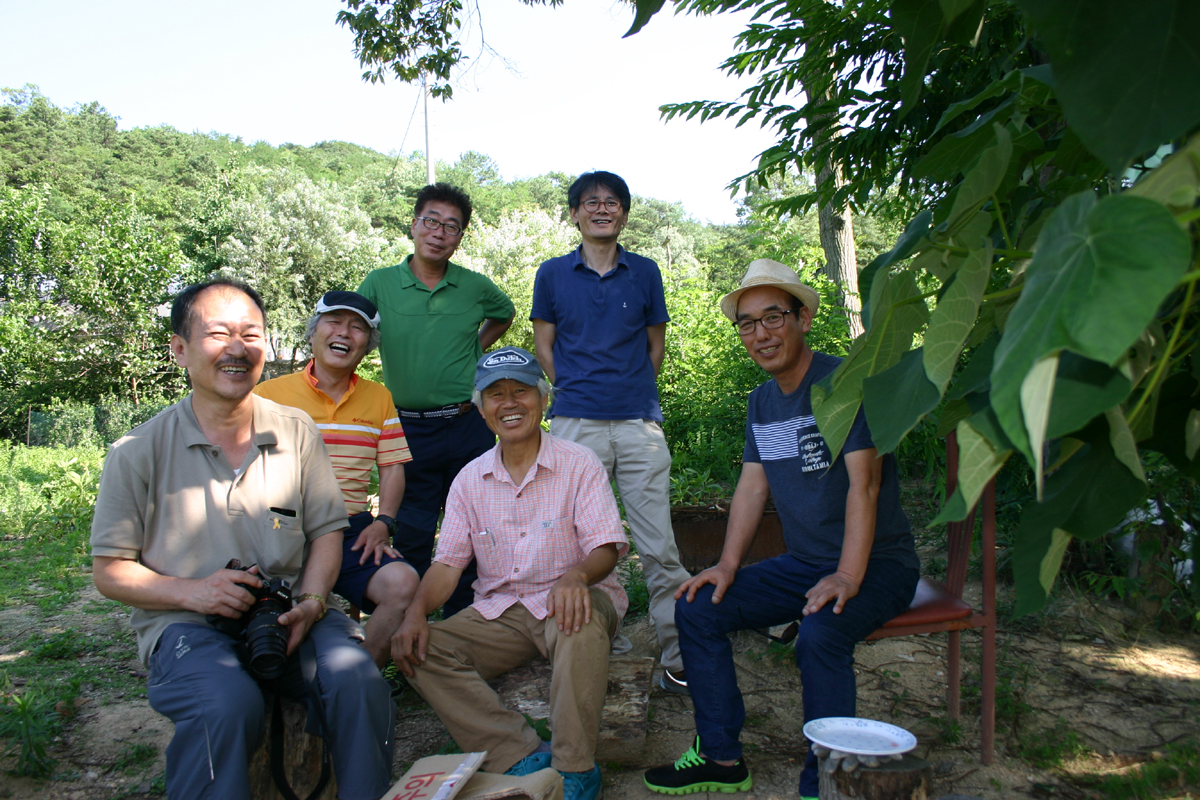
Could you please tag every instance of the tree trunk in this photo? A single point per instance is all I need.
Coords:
(908, 779)
(837, 240)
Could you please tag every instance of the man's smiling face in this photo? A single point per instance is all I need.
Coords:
(782, 349)
(340, 340)
(605, 222)
(513, 410)
(226, 348)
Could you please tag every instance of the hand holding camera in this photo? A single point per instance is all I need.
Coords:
(259, 630)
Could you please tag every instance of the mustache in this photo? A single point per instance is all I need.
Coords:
(234, 362)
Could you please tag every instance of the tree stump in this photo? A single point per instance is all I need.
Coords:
(623, 724)
(301, 757)
(907, 779)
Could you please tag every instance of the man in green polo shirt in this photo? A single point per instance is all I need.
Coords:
(437, 319)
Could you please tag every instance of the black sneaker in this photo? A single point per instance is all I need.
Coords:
(696, 773)
(675, 684)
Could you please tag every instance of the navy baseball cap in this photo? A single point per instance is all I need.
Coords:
(507, 362)
(349, 301)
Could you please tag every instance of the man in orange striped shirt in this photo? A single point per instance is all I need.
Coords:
(358, 423)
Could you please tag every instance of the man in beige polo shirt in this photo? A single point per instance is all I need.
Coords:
(224, 474)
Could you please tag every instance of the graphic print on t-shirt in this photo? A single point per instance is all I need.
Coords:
(797, 437)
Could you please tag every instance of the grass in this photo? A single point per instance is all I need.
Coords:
(1175, 774)
(46, 500)
(1048, 749)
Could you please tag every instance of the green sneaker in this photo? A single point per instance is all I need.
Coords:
(696, 773)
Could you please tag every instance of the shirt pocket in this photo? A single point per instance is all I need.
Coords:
(284, 545)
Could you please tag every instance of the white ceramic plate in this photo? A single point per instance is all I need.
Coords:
(863, 737)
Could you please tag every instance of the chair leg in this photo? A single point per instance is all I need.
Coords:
(987, 690)
(954, 676)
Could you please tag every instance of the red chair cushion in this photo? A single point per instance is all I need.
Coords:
(931, 604)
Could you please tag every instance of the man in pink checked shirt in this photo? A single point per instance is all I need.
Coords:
(538, 515)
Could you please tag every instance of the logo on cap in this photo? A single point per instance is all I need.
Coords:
(505, 359)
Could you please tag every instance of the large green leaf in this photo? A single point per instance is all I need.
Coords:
(1037, 390)
(919, 23)
(979, 459)
(976, 376)
(1175, 182)
(1084, 498)
(981, 182)
(1178, 399)
(643, 11)
(836, 399)
(1083, 388)
(1125, 74)
(914, 232)
(896, 399)
(1100, 271)
(954, 153)
(952, 320)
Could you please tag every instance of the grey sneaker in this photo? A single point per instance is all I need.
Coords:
(621, 645)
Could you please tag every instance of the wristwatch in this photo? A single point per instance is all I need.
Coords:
(389, 521)
(313, 596)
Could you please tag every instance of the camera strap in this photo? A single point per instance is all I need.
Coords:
(308, 670)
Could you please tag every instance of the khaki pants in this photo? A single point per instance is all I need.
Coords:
(634, 451)
(467, 650)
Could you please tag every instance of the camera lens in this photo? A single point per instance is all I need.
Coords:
(267, 640)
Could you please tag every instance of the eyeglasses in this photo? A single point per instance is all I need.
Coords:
(433, 224)
(594, 203)
(771, 321)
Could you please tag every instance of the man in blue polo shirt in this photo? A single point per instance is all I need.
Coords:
(599, 326)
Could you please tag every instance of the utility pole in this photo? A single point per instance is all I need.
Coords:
(429, 176)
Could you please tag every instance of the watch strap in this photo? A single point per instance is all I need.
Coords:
(318, 598)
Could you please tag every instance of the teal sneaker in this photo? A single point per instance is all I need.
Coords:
(531, 763)
(582, 785)
(696, 773)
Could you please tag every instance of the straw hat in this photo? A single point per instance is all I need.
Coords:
(765, 272)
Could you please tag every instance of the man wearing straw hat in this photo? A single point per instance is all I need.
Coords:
(850, 564)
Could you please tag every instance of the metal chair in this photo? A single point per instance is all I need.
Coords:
(938, 607)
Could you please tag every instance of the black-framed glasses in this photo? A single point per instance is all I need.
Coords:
(594, 203)
(433, 224)
(770, 321)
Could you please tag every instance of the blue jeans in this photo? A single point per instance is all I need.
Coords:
(199, 683)
(772, 593)
(440, 448)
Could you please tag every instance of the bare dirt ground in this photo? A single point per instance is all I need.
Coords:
(1105, 696)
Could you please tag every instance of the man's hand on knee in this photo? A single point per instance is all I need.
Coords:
(410, 643)
(375, 542)
(720, 576)
(837, 586)
(570, 603)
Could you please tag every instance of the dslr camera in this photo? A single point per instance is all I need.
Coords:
(258, 630)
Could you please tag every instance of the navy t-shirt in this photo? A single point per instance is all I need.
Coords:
(782, 435)
(601, 364)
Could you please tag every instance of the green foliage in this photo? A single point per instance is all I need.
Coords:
(46, 501)
(135, 758)
(1175, 769)
(28, 720)
(634, 581)
(1048, 749)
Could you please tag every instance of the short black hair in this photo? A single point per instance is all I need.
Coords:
(183, 308)
(590, 180)
(444, 193)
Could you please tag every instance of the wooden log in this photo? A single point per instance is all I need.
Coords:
(623, 724)
(907, 779)
(301, 756)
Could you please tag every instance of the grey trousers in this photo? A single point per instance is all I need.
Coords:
(634, 451)
(197, 681)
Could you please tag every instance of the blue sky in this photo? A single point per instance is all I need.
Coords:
(564, 91)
